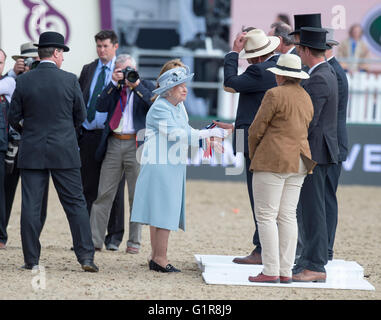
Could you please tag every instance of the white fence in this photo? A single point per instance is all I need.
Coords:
(364, 103)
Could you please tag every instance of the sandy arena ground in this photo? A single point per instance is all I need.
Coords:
(219, 221)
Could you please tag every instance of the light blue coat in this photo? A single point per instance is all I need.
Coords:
(160, 188)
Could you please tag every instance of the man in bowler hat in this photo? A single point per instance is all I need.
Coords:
(49, 113)
(322, 137)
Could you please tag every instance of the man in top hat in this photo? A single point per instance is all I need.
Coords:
(26, 61)
(300, 21)
(342, 138)
(258, 49)
(322, 137)
(49, 113)
(305, 20)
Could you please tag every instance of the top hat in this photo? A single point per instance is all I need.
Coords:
(289, 65)
(330, 41)
(27, 50)
(314, 38)
(52, 39)
(306, 20)
(258, 44)
(172, 78)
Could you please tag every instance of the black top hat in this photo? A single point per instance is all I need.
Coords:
(314, 38)
(306, 20)
(52, 39)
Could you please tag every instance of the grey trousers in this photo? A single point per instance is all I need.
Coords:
(120, 158)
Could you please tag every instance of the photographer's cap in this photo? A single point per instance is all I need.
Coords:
(27, 50)
(172, 78)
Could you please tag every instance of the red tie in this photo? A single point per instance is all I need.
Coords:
(115, 120)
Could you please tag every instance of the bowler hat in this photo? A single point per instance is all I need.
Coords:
(314, 38)
(306, 20)
(52, 39)
(27, 50)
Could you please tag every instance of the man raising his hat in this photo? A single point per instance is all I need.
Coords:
(322, 137)
(258, 49)
(50, 113)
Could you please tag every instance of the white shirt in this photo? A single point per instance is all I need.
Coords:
(7, 86)
(126, 124)
(314, 67)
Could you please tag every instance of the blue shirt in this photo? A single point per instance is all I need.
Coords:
(100, 117)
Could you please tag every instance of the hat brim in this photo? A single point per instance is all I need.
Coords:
(332, 43)
(274, 43)
(160, 90)
(54, 45)
(24, 56)
(309, 45)
(279, 72)
(294, 32)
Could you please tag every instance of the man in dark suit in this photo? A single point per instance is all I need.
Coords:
(126, 100)
(322, 136)
(91, 132)
(334, 171)
(252, 85)
(300, 21)
(49, 104)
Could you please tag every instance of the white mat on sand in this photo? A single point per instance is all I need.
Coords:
(221, 270)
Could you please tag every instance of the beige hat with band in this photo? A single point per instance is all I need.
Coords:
(27, 50)
(258, 44)
(289, 65)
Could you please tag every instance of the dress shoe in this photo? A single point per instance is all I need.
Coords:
(309, 276)
(285, 279)
(89, 266)
(132, 250)
(252, 258)
(156, 267)
(2, 246)
(29, 266)
(112, 247)
(263, 278)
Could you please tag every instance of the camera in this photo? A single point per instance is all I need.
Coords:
(129, 74)
(31, 63)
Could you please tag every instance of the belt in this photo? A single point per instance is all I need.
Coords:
(124, 136)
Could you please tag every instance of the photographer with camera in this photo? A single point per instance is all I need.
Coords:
(26, 61)
(7, 86)
(127, 100)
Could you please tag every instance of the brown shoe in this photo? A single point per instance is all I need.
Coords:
(252, 258)
(309, 276)
(263, 278)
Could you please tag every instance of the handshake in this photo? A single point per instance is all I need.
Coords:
(13, 147)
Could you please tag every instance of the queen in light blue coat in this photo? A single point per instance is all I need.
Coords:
(160, 188)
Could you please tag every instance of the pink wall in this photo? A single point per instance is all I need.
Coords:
(261, 14)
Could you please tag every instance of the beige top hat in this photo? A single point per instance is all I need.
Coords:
(258, 44)
(27, 50)
(289, 65)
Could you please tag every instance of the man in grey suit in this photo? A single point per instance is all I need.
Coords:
(322, 136)
(46, 106)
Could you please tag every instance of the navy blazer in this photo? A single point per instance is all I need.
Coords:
(322, 132)
(107, 102)
(50, 102)
(342, 135)
(252, 86)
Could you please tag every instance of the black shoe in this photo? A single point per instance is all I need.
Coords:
(89, 266)
(29, 266)
(156, 267)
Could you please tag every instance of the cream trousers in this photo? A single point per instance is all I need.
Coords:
(276, 197)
